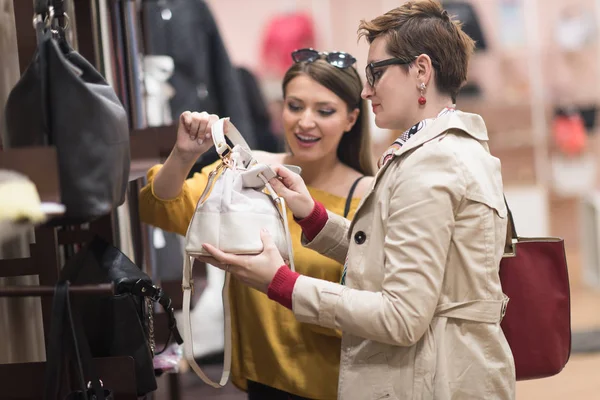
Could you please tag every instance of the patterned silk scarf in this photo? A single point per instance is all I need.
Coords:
(389, 154)
(407, 134)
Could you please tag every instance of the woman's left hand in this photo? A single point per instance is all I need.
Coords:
(255, 271)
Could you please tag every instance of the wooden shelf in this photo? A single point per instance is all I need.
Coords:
(147, 147)
(39, 164)
(18, 267)
(153, 142)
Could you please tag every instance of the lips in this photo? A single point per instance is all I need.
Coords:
(303, 138)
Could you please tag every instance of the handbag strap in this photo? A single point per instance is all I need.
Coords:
(282, 209)
(511, 230)
(62, 315)
(350, 196)
(54, 346)
(83, 354)
(188, 288)
(188, 281)
(218, 135)
(187, 284)
(144, 288)
(188, 347)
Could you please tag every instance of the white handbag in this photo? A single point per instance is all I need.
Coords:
(237, 203)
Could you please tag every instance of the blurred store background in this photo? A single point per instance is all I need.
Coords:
(535, 78)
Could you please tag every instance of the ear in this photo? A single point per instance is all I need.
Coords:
(352, 117)
(424, 68)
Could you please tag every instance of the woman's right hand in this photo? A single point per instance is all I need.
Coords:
(194, 136)
(292, 188)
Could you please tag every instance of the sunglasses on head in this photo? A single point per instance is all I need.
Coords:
(337, 58)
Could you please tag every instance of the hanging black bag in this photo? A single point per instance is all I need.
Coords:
(121, 324)
(67, 338)
(62, 101)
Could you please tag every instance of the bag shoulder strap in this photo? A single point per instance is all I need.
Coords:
(351, 195)
(188, 286)
(188, 343)
(85, 363)
(221, 147)
(74, 335)
(511, 231)
(54, 348)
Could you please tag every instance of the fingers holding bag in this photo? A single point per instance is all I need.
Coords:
(292, 188)
(194, 134)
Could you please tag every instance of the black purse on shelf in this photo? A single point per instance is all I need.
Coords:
(121, 324)
(61, 100)
(67, 338)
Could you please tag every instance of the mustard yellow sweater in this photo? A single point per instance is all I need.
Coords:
(269, 345)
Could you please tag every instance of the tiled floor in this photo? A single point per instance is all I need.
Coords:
(580, 380)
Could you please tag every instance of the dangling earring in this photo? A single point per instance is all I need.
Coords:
(422, 99)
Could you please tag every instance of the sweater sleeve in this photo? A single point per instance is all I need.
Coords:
(281, 287)
(172, 215)
(314, 223)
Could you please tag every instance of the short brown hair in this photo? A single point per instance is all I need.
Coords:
(424, 27)
(354, 149)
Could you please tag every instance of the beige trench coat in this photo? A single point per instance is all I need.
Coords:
(421, 309)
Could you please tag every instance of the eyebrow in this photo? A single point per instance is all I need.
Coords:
(378, 60)
(319, 103)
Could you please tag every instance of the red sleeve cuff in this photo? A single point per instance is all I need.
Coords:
(281, 287)
(314, 223)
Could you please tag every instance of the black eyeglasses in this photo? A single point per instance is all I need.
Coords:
(337, 58)
(372, 78)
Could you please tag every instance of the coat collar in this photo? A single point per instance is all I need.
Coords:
(471, 124)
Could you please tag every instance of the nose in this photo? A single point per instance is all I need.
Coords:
(367, 91)
(306, 121)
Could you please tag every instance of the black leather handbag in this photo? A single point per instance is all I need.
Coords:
(62, 101)
(121, 324)
(67, 338)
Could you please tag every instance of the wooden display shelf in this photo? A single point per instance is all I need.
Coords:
(39, 164)
(147, 147)
(152, 142)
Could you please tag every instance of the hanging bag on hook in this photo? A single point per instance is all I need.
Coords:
(67, 337)
(62, 101)
(237, 203)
